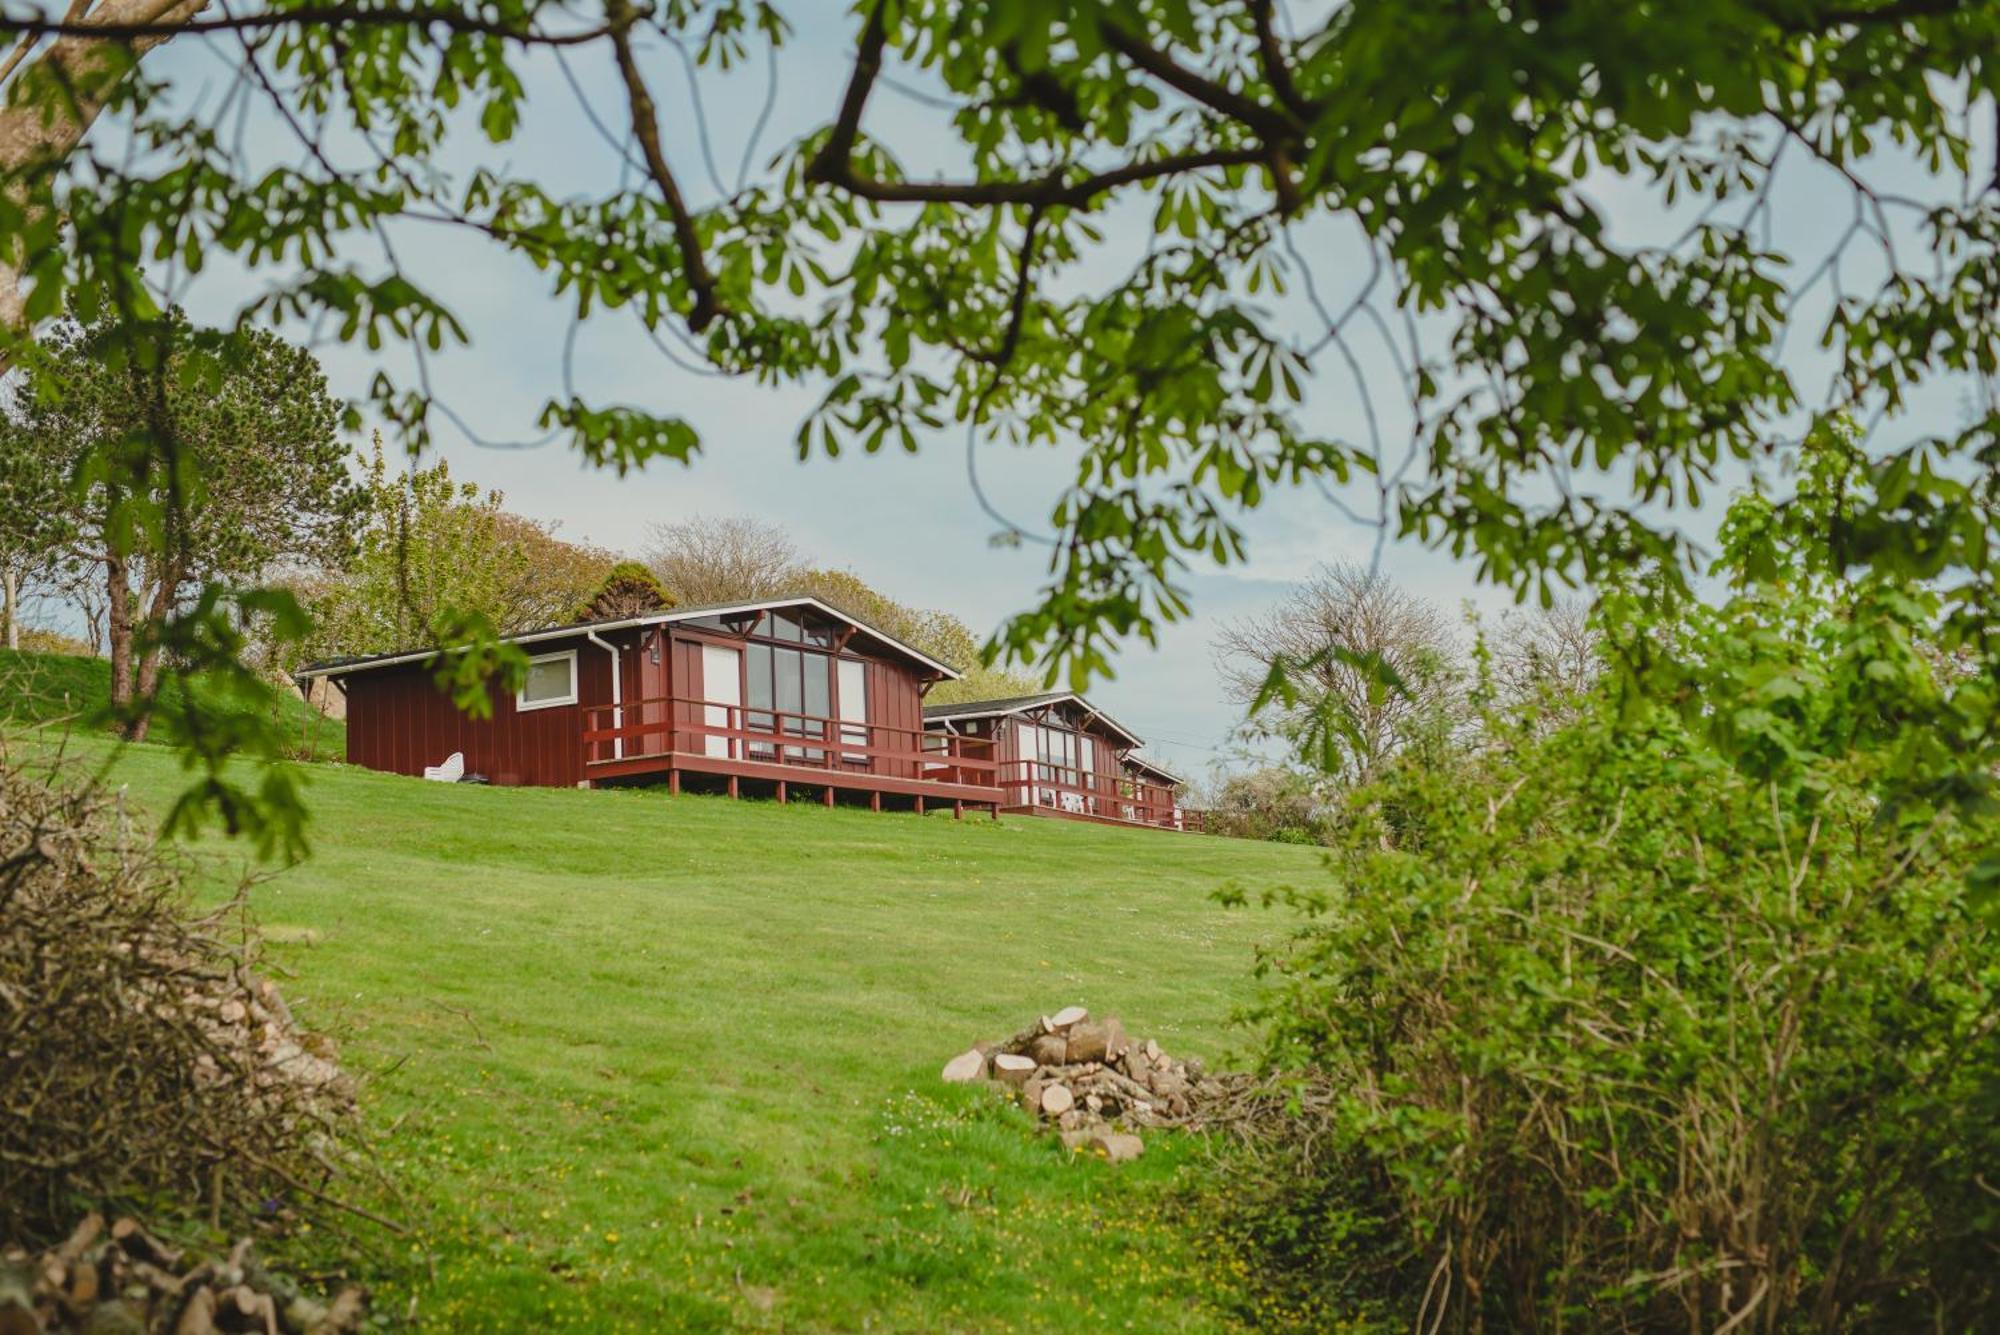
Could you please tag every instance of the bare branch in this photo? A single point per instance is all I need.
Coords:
(646, 127)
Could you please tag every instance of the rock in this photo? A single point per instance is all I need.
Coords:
(1057, 1100)
(1064, 1018)
(965, 1068)
(1011, 1069)
(1137, 1065)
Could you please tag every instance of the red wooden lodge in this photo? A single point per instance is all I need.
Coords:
(777, 696)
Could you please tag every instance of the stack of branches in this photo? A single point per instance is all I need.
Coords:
(124, 1279)
(141, 1057)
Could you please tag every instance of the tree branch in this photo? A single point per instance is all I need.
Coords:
(646, 127)
(1270, 122)
(1277, 70)
(834, 163)
(1057, 188)
(1018, 312)
(332, 16)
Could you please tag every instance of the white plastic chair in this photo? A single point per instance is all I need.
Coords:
(451, 771)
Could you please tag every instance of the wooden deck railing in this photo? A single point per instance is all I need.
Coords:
(1088, 793)
(667, 726)
(664, 726)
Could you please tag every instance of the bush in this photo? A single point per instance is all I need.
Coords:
(141, 1059)
(1628, 1035)
(1274, 803)
(1674, 1008)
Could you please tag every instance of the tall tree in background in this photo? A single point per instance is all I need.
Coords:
(257, 476)
(1364, 662)
(431, 549)
(721, 558)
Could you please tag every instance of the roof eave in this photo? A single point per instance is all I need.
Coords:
(339, 669)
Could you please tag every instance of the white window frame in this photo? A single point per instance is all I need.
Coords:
(522, 705)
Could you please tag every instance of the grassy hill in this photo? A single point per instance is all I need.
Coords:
(665, 1063)
(49, 688)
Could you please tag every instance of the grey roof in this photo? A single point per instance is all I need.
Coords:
(1142, 762)
(987, 708)
(1016, 704)
(340, 667)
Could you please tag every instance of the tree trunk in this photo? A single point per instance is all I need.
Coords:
(118, 625)
(12, 591)
(147, 674)
(36, 137)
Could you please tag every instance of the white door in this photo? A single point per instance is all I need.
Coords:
(854, 708)
(722, 689)
(1086, 764)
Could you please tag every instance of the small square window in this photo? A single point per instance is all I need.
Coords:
(551, 681)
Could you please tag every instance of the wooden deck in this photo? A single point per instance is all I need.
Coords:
(672, 739)
(672, 766)
(787, 750)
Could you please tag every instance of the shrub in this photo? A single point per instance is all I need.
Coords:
(141, 1059)
(1679, 1013)
(1627, 1034)
(1276, 803)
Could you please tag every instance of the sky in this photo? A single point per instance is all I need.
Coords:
(910, 526)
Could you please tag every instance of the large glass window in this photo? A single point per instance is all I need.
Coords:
(781, 685)
(758, 698)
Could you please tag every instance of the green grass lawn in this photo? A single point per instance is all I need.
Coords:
(65, 688)
(665, 1063)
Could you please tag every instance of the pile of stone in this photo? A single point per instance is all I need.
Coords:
(1092, 1082)
(123, 1281)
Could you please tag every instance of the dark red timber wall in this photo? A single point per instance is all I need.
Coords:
(397, 720)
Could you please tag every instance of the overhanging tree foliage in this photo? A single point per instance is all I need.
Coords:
(1570, 390)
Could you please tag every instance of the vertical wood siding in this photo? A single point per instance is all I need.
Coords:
(398, 721)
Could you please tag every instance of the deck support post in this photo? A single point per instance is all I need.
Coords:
(958, 809)
(781, 792)
(995, 809)
(826, 795)
(674, 782)
(734, 789)
(874, 801)
(920, 804)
